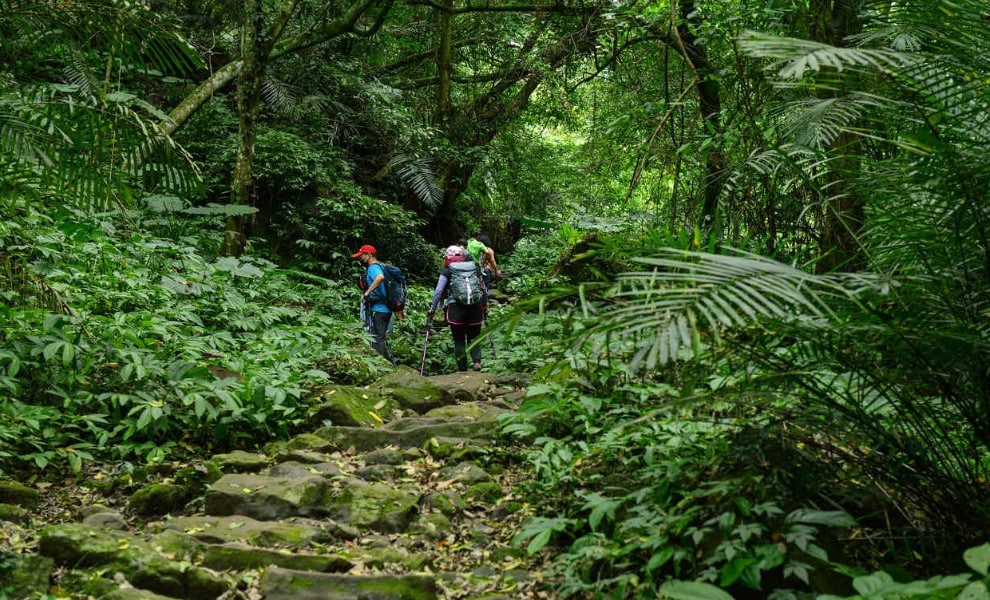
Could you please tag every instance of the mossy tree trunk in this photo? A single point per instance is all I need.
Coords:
(248, 106)
(842, 214)
(706, 80)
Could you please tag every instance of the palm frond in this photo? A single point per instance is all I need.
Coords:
(86, 151)
(128, 31)
(794, 58)
(683, 295)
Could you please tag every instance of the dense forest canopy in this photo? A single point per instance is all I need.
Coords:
(747, 247)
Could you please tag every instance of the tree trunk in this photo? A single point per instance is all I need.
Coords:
(248, 106)
(843, 212)
(445, 27)
(696, 56)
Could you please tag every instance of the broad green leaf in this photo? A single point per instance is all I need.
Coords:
(659, 559)
(975, 591)
(733, 570)
(978, 559)
(877, 584)
(539, 541)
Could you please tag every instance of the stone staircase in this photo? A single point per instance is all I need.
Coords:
(413, 506)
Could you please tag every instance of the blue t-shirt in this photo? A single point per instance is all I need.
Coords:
(377, 297)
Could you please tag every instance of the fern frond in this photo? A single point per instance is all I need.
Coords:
(685, 294)
(421, 177)
(278, 94)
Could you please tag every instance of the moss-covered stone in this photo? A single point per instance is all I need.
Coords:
(239, 461)
(198, 475)
(382, 557)
(433, 526)
(308, 441)
(504, 509)
(306, 457)
(238, 557)
(385, 456)
(175, 545)
(448, 503)
(106, 520)
(267, 498)
(409, 390)
(475, 411)
(413, 432)
(244, 529)
(488, 492)
(79, 545)
(374, 506)
(133, 593)
(12, 492)
(351, 407)
(283, 584)
(296, 469)
(24, 575)
(465, 472)
(14, 514)
(377, 473)
(159, 499)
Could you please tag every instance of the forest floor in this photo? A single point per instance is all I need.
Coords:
(425, 506)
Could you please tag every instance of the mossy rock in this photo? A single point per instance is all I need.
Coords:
(24, 575)
(240, 557)
(14, 514)
(133, 593)
(78, 545)
(489, 492)
(283, 584)
(448, 503)
(12, 492)
(433, 526)
(410, 390)
(198, 475)
(239, 461)
(307, 441)
(351, 407)
(159, 499)
(465, 472)
(247, 530)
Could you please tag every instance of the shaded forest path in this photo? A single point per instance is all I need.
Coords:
(418, 506)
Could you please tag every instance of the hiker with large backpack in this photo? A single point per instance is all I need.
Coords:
(463, 292)
(376, 311)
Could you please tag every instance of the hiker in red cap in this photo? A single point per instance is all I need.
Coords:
(375, 312)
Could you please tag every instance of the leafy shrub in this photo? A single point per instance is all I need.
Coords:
(150, 345)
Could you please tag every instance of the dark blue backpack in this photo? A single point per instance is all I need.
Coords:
(396, 293)
(394, 288)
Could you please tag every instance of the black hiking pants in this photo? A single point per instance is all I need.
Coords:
(378, 327)
(464, 335)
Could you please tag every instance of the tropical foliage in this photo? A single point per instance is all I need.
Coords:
(749, 272)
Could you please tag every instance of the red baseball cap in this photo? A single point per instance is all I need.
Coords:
(365, 249)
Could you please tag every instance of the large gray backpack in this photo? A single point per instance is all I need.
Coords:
(465, 283)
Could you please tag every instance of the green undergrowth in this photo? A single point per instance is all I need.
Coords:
(781, 453)
(133, 340)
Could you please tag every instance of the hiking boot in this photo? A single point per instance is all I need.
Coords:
(477, 365)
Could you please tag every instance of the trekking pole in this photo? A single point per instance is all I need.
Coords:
(429, 321)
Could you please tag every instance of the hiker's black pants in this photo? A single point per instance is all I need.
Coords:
(379, 331)
(464, 335)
